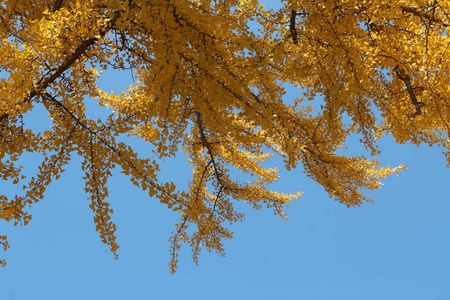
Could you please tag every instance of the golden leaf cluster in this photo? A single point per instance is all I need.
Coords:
(210, 79)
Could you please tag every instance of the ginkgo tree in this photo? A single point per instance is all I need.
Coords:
(210, 79)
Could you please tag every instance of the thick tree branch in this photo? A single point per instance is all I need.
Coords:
(292, 28)
(421, 14)
(44, 83)
(407, 80)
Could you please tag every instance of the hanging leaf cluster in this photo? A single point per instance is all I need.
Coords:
(210, 79)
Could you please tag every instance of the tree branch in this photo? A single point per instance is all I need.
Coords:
(424, 15)
(292, 28)
(407, 80)
(70, 60)
(207, 145)
(57, 5)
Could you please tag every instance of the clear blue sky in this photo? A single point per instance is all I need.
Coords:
(396, 248)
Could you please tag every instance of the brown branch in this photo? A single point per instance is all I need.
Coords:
(417, 13)
(57, 5)
(292, 28)
(70, 60)
(207, 145)
(211, 214)
(407, 80)
(62, 107)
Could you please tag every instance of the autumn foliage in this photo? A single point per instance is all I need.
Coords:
(210, 79)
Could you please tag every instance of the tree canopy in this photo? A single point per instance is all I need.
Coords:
(210, 82)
